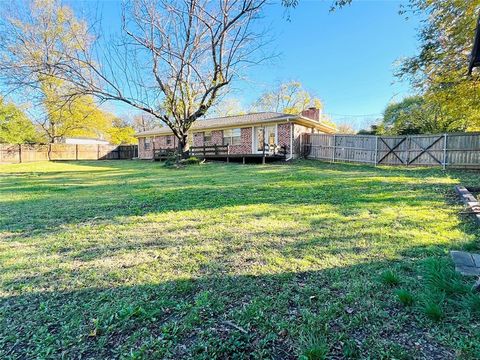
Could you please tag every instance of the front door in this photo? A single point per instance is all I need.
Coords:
(265, 135)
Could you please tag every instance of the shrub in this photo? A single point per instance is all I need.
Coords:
(192, 160)
(405, 297)
(389, 278)
(171, 160)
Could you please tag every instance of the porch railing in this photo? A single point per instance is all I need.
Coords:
(209, 150)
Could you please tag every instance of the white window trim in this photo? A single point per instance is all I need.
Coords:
(232, 137)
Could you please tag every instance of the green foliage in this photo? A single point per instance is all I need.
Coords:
(15, 126)
(433, 310)
(405, 297)
(192, 160)
(416, 115)
(389, 278)
(439, 70)
(442, 278)
(121, 133)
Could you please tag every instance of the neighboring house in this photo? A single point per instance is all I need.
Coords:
(84, 141)
(245, 134)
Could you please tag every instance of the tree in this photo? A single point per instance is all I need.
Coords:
(46, 33)
(345, 129)
(440, 70)
(374, 130)
(145, 122)
(418, 115)
(228, 107)
(15, 126)
(289, 98)
(174, 59)
(78, 117)
(121, 132)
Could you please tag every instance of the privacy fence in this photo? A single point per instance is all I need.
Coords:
(30, 153)
(461, 150)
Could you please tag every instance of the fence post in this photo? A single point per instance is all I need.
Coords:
(20, 153)
(333, 150)
(409, 149)
(376, 150)
(445, 151)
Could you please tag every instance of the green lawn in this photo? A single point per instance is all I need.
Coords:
(129, 259)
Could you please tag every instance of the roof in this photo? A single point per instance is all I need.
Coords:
(243, 120)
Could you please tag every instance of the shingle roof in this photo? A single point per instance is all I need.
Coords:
(229, 121)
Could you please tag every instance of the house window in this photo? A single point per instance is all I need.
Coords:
(169, 140)
(207, 136)
(232, 137)
(147, 144)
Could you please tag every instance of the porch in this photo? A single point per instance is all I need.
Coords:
(222, 153)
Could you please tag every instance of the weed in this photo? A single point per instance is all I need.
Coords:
(389, 278)
(405, 297)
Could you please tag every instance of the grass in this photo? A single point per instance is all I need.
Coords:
(133, 260)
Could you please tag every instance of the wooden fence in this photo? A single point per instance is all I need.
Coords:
(460, 150)
(31, 153)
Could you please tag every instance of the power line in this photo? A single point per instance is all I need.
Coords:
(354, 115)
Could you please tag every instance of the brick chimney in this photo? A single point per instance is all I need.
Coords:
(312, 113)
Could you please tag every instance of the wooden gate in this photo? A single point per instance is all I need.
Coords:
(447, 150)
(412, 150)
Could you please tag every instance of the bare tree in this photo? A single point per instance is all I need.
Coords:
(33, 37)
(173, 60)
(288, 97)
(145, 122)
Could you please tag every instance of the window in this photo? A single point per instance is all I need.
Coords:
(232, 137)
(147, 144)
(169, 140)
(207, 136)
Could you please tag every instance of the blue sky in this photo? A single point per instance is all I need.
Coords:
(345, 57)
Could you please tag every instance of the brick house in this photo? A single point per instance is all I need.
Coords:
(245, 134)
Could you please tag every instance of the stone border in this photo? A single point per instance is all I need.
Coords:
(469, 200)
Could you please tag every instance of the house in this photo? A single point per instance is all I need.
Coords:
(80, 140)
(246, 135)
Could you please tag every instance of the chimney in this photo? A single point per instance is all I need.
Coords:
(312, 113)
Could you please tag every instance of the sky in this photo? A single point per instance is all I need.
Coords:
(346, 57)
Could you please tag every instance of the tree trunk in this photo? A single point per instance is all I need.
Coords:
(183, 146)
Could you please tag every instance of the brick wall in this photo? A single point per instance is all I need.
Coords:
(283, 135)
(217, 137)
(157, 142)
(246, 146)
(142, 153)
(198, 139)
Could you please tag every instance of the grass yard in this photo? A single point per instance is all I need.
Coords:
(132, 260)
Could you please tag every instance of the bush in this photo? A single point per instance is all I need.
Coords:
(192, 160)
(171, 160)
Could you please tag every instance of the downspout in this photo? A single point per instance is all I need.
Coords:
(291, 142)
